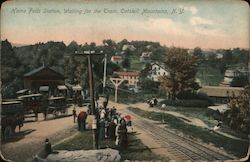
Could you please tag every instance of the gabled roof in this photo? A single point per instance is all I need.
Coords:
(34, 71)
(161, 66)
(40, 69)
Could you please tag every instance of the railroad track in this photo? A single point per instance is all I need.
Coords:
(181, 147)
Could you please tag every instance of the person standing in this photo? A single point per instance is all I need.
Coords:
(128, 122)
(155, 101)
(122, 133)
(81, 119)
(79, 122)
(102, 129)
(111, 130)
(74, 114)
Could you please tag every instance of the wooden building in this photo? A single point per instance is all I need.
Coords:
(43, 77)
(131, 77)
(220, 94)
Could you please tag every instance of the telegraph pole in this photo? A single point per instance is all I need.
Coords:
(91, 84)
(89, 55)
(116, 82)
(104, 73)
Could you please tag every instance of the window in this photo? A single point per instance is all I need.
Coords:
(159, 73)
(164, 73)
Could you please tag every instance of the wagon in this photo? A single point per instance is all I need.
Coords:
(32, 103)
(57, 106)
(12, 115)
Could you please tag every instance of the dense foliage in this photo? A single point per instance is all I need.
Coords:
(182, 69)
(16, 61)
(238, 117)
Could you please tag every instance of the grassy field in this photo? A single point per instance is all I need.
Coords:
(236, 147)
(203, 114)
(195, 112)
(84, 141)
(209, 75)
(136, 64)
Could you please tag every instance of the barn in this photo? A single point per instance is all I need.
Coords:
(44, 78)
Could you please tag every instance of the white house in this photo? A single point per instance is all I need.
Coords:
(156, 71)
(145, 56)
(128, 47)
(219, 55)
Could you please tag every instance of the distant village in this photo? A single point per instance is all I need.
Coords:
(41, 76)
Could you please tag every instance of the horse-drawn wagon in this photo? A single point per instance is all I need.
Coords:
(32, 103)
(57, 106)
(12, 115)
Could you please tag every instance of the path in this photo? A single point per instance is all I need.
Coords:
(189, 120)
(34, 134)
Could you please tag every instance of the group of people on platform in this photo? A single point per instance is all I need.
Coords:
(110, 124)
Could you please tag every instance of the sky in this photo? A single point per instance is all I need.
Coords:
(188, 24)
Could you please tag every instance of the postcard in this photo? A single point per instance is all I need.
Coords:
(125, 80)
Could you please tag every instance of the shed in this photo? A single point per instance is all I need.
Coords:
(43, 76)
(220, 94)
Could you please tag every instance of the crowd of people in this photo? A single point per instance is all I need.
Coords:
(110, 124)
(114, 126)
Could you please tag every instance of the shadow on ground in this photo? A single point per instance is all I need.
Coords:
(17, 136)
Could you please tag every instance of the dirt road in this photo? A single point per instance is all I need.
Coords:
(31, 138)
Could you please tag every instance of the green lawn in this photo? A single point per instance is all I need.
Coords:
(84, 141)
(236, 147)
(209, 75)
(203, 114)
(195, 112)
(136, 64)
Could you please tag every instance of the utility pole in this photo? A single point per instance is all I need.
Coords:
(89, 55)
(116, 82)
(104, 73)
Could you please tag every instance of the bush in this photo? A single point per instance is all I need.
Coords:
(195, 96)
(186, 103)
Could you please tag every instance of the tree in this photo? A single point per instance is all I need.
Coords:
(238, 117)
(158, 53)
(144, 72)
(126, 63)
(182, 71)
(10, 76)
(239, 81)
(148, 85)
(198, 52)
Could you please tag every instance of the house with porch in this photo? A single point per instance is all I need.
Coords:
(131, 76)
